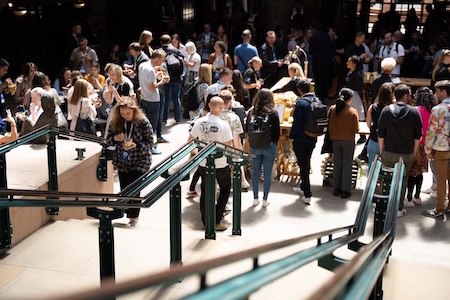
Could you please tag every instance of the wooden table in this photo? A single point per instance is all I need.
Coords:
(285, 80)
(415, 82)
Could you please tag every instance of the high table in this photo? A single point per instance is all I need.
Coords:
(415, 82)
(284, 166)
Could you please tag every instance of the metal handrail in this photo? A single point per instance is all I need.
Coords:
(370, 258)
(47, 129)
(245, 283)
(126, 194)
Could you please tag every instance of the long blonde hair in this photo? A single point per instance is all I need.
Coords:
(444, 53)
(80, 90)
(297, 70)
(205, 74)
(143, 41)
(117, 121)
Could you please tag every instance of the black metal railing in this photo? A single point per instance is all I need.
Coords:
(119, 202)
(364, 270)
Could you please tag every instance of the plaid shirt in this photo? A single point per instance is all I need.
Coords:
(140, 158)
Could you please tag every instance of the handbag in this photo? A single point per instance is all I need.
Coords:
(62, 121)
(327, 144)
(85, 125)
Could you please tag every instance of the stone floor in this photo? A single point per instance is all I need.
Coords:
(62, 257)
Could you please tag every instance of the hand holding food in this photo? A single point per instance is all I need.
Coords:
(128, 144)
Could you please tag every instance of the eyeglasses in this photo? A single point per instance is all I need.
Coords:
(389, 52)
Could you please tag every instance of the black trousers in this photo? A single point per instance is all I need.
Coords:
(125, 179)
(323, 79)
(303, 153)
(223, 177)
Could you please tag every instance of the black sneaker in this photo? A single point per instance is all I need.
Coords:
(337, 192)
(362, 139)
(345, 194)
(433, 213)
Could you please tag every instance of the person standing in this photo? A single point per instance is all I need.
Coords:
(384, 98)
(343, 125)
(394, 50)
(172, 89)
(206, 41)
(437, 146)
(252, 76)
(271, 61)
(303, 143)
(263, 106)
(149, 73)
(83, 57)
(321, 49)
(424, 102)
(354, 81)
(219, 59)
(244, 52)
(4, 85)
(81, 107)
(387, 66)
(42, 113)
(399, 133)
(132, 135)
(208, 129)
(132, 71)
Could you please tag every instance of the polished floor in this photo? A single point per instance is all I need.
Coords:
(62, 257)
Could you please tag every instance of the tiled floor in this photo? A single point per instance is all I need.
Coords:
(63, 256)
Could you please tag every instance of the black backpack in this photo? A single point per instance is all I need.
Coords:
(174, 63)
(317, 120)
(259, 128)
(189, 100)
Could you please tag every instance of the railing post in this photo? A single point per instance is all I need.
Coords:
(52, 171)
(175, 226)
(5, 224)
(210, 198)
(237, 193)
(106, 239)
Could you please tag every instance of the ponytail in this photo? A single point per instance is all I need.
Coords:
(340, 105)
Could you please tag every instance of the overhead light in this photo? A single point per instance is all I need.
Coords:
(79, 4)
(20, 11)
(10, 4)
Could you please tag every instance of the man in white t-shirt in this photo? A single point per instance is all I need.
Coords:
(208, 129)
(394, 50)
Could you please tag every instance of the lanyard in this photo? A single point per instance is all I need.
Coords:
(128, 134)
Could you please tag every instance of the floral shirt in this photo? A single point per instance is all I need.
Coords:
(234, 121)
(439, 128)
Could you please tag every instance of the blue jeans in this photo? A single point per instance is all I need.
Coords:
(172, 89)
(266, 158)
(372, 150)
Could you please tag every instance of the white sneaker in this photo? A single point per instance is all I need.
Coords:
(134, 222)
(298, 190)
(417, 201)
(401, 213)
(255, 202)
(433, 194)
(265, 203)
(428, 190)
(407, 203)
(306, 200)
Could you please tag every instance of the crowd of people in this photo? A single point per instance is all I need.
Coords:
(132, 99)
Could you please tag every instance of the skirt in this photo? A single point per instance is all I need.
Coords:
(421, 165)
